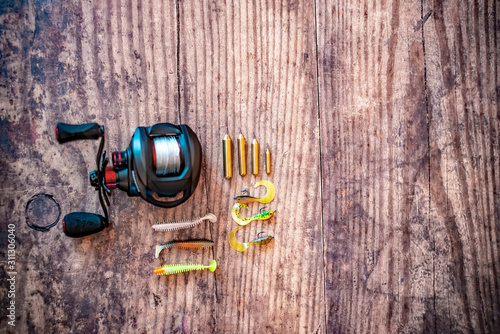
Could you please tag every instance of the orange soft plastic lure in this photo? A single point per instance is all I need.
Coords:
(186, 244)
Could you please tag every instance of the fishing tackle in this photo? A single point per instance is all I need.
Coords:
(268, 197)
(162, 165)
(169, 269)
(268, 161)
(226, 154)
(39, 208)
(240, 220)
(180, 224)
(243, 246)
(242, 164)
(187, 244)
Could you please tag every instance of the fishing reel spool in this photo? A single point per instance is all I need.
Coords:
(162, 165)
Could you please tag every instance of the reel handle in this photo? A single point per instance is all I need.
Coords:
(81, 224)
(69, 132)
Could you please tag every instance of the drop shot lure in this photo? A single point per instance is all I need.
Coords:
(187, 244)
(240, 220)
(169, 269)
(180, 224)
(268, 197)
(243, 246)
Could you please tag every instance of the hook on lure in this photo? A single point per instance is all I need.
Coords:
(242, 221)
(261, 240)
(243, 246)
(258, 234)
(268, 197)
(181, 224)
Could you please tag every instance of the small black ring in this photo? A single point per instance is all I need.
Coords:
(36, 227)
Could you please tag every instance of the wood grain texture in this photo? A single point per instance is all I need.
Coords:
(410, 122)
(375, 167)
(250, 65)
(113, 63)
(116, 63)
(383, 118)
(462, 65)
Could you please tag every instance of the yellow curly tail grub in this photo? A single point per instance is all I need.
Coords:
(271, 191)
(170, 269)
(239, 246)
(243, 246)
(268, 197)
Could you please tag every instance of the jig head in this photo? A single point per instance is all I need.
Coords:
(261, 240)
(268, 197)
(243, 246)
(240, 220)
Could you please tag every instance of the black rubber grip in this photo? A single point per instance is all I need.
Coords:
(69, 132)
(80, 224)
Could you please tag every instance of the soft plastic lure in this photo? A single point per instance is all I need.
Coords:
(240, 220)
(170, 269)
(268, 197)
(180, 224)
(243, 246)
(187, 244)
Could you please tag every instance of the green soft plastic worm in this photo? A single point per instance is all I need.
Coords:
(170, 269)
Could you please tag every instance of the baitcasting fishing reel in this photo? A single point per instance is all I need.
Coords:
(162, 165)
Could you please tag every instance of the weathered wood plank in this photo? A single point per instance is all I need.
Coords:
(113, 63)
(251, 65)
(375, 167)
(409, 118)
(461, 42)
(435, 267)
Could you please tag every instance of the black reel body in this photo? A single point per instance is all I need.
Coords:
(162, 165)
(156, 170)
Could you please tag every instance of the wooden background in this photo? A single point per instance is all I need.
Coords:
(383, 118)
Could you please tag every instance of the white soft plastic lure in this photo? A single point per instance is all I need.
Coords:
(180, 224)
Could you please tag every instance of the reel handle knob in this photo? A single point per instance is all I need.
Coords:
(81, 224)
(69, 132)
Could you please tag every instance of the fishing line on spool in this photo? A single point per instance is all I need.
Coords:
(168, 155)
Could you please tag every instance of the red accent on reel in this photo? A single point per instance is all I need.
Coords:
(57, 133)
(117, 159)
(110, 177)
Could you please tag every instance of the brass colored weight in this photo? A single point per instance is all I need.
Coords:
(242, 163)
(255, 157)
(268, 161)
(226, 152)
